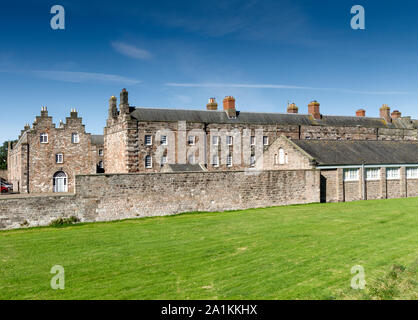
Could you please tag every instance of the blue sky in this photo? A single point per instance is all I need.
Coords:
(177, 54)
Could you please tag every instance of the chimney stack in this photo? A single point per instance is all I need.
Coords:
(396, 114)
(292, 108)
(212, 104)
(385, 113)
(73, 113)
(113, 109)
(361, 113)
(313, 109)
(229, 107)
(124, 103)
(44, 112)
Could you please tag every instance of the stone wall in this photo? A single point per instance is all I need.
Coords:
(4, 174)
(119, 196)
(32, 164)
(18, 211)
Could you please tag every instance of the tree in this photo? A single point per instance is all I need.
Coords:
(3, 156)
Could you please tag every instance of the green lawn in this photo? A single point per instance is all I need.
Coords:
(293, 252)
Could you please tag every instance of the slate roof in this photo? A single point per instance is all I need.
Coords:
(261, 118)
(97, 139)
(341, 152)
(185, 167)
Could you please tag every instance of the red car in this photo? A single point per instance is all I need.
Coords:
(5, 187)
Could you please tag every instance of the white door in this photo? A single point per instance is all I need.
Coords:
(60, 182)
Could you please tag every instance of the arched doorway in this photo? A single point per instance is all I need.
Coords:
(60, 182)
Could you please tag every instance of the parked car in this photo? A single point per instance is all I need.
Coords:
(6, 187)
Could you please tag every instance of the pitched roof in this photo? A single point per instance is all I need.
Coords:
(97, 139)
(185, 167)
(340, 152)
(262, 118)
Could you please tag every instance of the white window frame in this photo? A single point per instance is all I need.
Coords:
(412, 172)
(59, 158)
(215, 161)
(229, 160)
(252, 140)
(75, 137)
(148, 143)
(265, 140)
(191, 140)
(44, 137)
(352, 174)
(215, 140)
(393, 173)
(252, 161)
(101, 164)
(372, 174)
(148, 166)
(101, 152)
(163, 160)
(229, 140)
(164, 140)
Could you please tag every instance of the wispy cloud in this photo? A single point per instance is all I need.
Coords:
(75, 76)
(277, 86)
(130, 50)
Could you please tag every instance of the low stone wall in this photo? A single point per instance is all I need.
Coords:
(19, 211)
(120, 196)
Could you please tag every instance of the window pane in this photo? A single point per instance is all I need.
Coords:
(148, 140)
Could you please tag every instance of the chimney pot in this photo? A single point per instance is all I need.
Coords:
(229, 106)
(292, 108)
(313, 109)
(361, 113)
(396, 114)
(385, 113)
(212, 104)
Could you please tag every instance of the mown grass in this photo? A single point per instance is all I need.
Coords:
(293, 252)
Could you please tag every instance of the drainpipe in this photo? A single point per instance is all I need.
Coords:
(364, 182)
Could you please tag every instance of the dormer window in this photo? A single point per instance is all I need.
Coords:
(44, 137)
(75, 138)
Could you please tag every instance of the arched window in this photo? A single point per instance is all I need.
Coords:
(281, 156)
(60, 182)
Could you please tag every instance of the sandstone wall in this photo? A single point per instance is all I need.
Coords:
(119, 196)
(15, 211)
(4, 174)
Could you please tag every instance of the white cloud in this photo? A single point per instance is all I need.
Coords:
(276, 86)
(131, 51)
(74, 76)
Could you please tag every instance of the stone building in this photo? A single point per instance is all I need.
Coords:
(139, 139)
(46, 158)
(351, 170)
